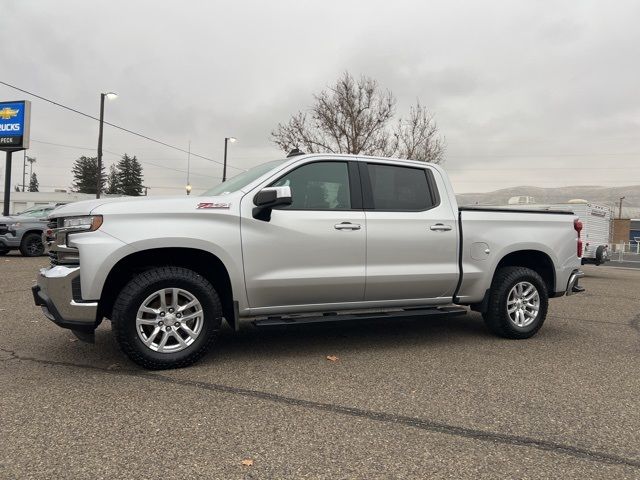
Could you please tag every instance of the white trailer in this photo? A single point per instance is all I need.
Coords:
(595, 235)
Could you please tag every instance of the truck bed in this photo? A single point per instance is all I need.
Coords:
(489, 208)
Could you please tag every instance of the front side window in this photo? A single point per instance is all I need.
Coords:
(318, 186)
(399, 188)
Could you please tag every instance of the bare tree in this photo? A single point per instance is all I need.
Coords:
(417, 137)
(355, 117)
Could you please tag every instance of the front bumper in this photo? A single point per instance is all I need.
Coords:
(572, 284)
(9, 240)
(54, 292)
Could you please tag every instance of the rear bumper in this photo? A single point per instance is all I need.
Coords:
(54, 293)
(573, 286)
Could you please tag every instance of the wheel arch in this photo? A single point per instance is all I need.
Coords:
(28, 232)
(200, 261)
(537, 260)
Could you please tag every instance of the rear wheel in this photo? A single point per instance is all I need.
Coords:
(166, 317)
(518, 303)
(31, 245)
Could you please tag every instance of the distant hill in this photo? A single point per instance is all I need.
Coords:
(601, 195)
(595, 194)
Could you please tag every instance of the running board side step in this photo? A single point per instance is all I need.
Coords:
(336, 317)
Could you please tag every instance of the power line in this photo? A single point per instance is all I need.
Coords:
(77, 147)
(116, 126)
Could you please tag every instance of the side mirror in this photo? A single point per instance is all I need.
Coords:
(267, 199)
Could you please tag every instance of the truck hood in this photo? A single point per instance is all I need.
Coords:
(144, 205)
(22, 219)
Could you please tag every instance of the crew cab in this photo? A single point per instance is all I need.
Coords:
(304, 239)
(23, 231)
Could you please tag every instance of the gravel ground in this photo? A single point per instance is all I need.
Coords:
(432, 398)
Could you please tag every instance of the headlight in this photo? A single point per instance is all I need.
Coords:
(15, 226)
(84, 224)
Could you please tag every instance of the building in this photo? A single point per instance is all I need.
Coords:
(22, 200)
(634, 230)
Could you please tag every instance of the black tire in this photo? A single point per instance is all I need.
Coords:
(600, 255)
(497, 318)
(31, 245)
(133, 295)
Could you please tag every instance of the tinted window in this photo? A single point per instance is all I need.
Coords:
(399, 188)
(318, 186)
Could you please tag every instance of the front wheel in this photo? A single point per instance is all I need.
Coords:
(166, 317)
(518, 303)
(31, 245)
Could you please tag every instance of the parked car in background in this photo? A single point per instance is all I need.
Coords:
(23, 231)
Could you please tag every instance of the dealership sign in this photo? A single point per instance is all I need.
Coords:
(14, 125)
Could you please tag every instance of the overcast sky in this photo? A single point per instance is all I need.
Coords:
(526, 93)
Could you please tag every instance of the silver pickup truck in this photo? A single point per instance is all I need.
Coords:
(23, 231)
(305, 239)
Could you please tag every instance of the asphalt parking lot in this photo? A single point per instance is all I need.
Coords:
(433, 398)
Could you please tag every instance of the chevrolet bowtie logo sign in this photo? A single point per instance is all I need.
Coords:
(14, 125)
(6, 113)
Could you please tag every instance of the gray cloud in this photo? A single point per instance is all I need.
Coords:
(534, 92)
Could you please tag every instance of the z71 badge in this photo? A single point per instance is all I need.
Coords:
(213, 205)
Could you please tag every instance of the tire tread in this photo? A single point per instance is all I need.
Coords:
(496, 317)
(128, 295)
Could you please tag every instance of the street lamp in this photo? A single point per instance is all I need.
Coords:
(110, 96)
(188, 188)
(224, 168)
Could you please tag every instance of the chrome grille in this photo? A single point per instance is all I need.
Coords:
(55, 241)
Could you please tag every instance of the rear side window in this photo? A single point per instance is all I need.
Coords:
(400, 188)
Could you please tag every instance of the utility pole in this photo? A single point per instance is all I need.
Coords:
(31, 161)
(620, 208)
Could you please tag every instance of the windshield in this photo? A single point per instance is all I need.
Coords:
(35, 212)
(242, 180)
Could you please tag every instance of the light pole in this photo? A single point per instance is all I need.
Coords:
(110, 96)
(188, 186)
(620, 209)
(224, 168)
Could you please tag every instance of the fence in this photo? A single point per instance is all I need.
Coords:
(625, 252)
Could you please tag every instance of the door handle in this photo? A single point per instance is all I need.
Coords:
(440, 227)
(346, 226)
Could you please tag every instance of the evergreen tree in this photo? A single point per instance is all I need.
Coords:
(113, 182)
(33, 183)
(129, 176)
(85, 175)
